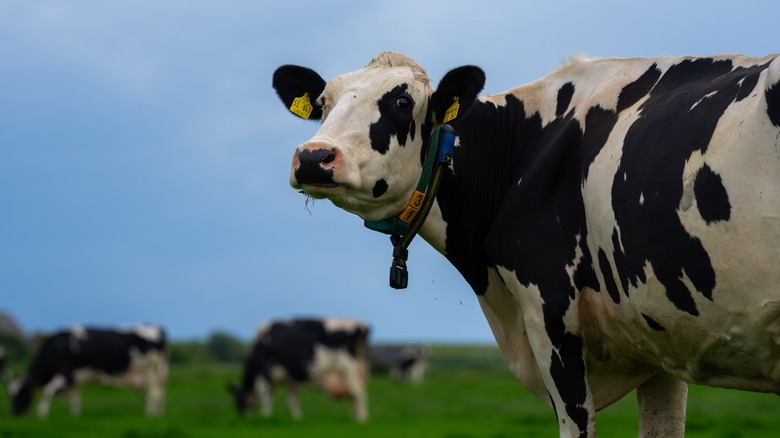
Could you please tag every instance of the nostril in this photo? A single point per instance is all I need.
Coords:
(329, 157)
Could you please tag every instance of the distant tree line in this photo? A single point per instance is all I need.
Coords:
(219, 346)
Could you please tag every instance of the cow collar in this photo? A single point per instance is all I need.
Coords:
(405, 226)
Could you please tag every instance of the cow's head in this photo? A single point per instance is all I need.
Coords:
(22, 392)
(243, 399)
(368, 154)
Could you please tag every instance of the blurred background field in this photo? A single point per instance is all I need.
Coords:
(468, 392)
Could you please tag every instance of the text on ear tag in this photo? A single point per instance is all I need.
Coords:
(302, 106)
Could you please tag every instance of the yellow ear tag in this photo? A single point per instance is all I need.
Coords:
(302, 106)
(452, 111)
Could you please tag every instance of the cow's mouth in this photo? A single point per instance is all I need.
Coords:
(328, 185)
(319, 190)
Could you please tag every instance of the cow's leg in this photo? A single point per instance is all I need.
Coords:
(292, 402)
(265, 393)
(359, 399)
(55, 385)
(155, 397)
(560, 358)
(662, 401)
(75, 401)
(552, 326)
(155, 376)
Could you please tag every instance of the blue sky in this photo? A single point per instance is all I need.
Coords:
(144, 157)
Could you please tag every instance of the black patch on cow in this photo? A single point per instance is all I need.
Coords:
(633, 92)
(653, 324)
(609, 279)
(565, 94)
(748, 85)
(773, 104)
(678, 119)
(568, 370)
(600, 122)
(394, 120)
(380, 187)
(711, 197)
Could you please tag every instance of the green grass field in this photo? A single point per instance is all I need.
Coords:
(468, 393)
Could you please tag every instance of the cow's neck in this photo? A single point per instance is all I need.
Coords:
(494, 140)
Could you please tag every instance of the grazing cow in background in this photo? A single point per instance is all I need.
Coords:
(619, 219)
(328, 353)
(133, 357)
(403, 362)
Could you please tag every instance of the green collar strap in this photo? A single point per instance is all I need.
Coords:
(405, 226)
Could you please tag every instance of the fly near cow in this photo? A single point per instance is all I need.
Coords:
(618, 219)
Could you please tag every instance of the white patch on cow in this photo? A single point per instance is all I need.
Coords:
(341, 324)
(79, 332)
(14, 386)
(642, 198)
(262, 330)
(151, 333)
(50, 389)
(264, 391)
(341, 375)
(597, 193)
(706, 96)
(571, 318)
(278, 374)
(434, 229)
(505, 318)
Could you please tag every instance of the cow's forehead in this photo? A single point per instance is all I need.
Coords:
(376, 81)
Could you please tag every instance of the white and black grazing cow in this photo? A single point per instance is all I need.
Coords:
(402, 362)
(327, 353)
(619, 219)
(133, 357)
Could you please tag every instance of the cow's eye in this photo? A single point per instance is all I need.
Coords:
(404, 103)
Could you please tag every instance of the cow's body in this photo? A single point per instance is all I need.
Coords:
(402, 362)
(329, 354)
(619, 219)
(130, 358)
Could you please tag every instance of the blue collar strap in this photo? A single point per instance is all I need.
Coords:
(405, 226)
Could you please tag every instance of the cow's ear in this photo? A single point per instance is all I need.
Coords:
(457, 91)
(298, 87)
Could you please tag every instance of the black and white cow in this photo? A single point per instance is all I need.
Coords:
(619, 219)
(133, 357)
(327, 353)
(402, 362)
